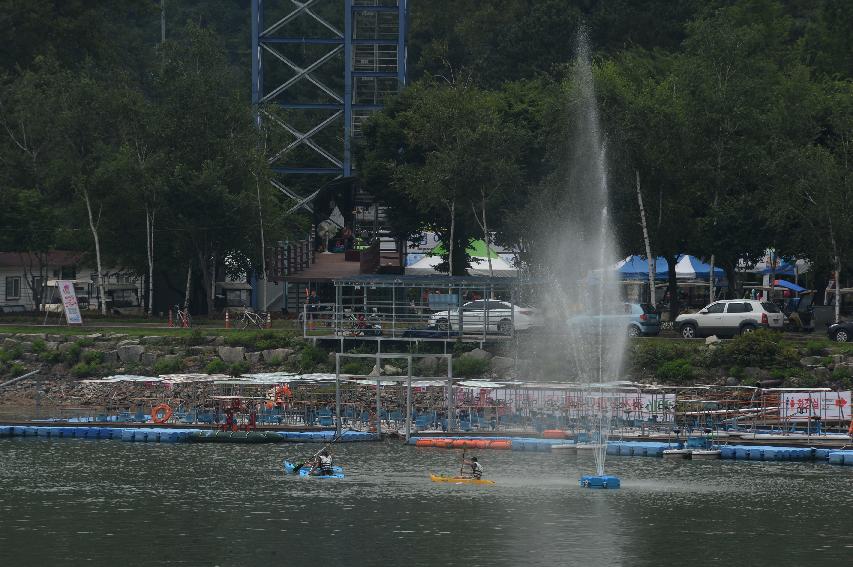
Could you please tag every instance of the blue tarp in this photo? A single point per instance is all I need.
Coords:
(789, 285)
(783, 269)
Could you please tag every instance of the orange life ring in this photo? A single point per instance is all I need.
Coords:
(167, 413)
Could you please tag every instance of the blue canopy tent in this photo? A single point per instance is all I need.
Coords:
(637, 268)
(692, 268)
(688, 268)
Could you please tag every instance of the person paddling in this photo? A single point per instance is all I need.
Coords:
(323, 464)
(476, 467)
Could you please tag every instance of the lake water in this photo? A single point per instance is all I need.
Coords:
(76, 502)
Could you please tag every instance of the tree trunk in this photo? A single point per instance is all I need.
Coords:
(711, 289)
(149, 244)
(263, 295)
(672, 280)
(187, 287)
(652, 259)
(94, 227)
(486, 238)
(731, 275)
(452, 234)
(836, 259)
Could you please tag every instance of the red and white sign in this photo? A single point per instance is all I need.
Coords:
(801, 406)
(69, 302)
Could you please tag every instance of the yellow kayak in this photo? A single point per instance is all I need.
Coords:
(459, 479)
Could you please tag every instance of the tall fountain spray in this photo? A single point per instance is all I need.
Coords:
(582, 284)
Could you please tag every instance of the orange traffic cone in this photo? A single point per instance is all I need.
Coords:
(227, 320)
(269, 321)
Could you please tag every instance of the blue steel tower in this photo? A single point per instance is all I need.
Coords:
(326, 65)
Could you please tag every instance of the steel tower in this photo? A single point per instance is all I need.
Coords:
(324, 66)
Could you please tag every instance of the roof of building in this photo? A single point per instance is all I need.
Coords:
(53, 258)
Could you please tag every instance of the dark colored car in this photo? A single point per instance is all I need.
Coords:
(841, 332)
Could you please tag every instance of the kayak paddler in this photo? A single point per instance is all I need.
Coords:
(323, 464)
(476, 467)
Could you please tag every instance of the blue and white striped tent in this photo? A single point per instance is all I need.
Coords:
(687, 268)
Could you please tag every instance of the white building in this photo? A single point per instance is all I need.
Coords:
(21, 272)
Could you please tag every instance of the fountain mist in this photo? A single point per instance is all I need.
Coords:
(583, 289)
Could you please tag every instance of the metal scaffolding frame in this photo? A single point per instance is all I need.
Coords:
(372, 44)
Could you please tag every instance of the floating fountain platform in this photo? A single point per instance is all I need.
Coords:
(599, 481)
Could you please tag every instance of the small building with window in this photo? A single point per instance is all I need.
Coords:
(27, 280)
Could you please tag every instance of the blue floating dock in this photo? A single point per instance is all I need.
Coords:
(603, 481)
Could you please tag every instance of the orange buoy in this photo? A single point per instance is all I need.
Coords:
(446, 443)
(553, 434)
(500, 444)
(460, 443)
(165, 409)
(425, 443)
(481, 444)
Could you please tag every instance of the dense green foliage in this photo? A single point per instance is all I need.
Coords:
(736, 117)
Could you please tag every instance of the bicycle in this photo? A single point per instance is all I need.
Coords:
(253, 319)
(182, 317)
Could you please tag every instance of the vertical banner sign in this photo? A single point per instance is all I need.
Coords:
(69, 302)
(802, 406)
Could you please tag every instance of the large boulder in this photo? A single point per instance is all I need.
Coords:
(148, 359)
(10, 343)
(391, 370)
(128, 342)
(231, 354)
(253, 357)
(279, 354)
(130, 353)
(732, 381)
(110, 357)
(809, 361)
(478, 353)
(152, 340)
(712, 340)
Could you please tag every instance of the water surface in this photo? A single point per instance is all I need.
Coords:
(75, 501)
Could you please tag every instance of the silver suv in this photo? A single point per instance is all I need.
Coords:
(730, 317)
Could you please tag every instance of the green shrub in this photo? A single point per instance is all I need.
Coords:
(460, 348)
(801, 378)
(216, 366)
(39, 346)
(815, 348)
(312, 356)
(260, 340)
(469, 367)
(676, 372)
(759, 348)
(238, 368)
(93, 357)
(72, 355)
(195, 338)
(843, 376)
(169, 365)
(51, 356)
(11, 354)
(275, 361)
(16, 369)
(84, 342)
(356, 367)
(82, 370)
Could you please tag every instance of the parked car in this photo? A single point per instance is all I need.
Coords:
(730, 317)
(639, 319)
(841, 332)
(503, 317)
